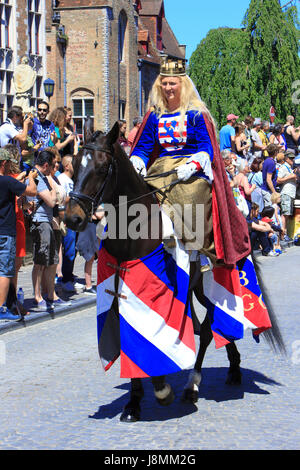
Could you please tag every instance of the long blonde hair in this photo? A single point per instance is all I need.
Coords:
(189, 100)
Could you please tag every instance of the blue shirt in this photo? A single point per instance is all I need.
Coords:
(41, 131)
(225, 135)
(165, 131)
(269, 166)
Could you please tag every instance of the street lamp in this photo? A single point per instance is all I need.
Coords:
(49, 87)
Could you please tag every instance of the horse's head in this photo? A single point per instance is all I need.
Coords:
(93, 176)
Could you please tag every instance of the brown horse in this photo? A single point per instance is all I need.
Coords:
(103, 173)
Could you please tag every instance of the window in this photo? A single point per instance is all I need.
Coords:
(34, 22)
(122, 109)
(121, 34)
(82, 107)
(5, 18)
(6, 56)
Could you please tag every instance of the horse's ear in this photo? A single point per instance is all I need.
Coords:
(88, 129)
(113, 134)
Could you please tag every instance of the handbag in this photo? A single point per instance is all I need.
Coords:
(240, 202)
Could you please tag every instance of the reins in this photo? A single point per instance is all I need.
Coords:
(82, 199)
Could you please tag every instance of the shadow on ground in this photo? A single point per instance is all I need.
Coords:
(212, 388)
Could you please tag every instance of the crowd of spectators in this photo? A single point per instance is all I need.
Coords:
(37, 153)
(36, 169)
(262, 163)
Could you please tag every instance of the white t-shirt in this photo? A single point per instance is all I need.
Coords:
(66, 182)
(255, 138)
(8, 132)
(289, 187)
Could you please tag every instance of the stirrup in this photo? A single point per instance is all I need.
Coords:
(204, 264)
(205, 268)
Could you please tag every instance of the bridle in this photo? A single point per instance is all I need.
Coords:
(88, 203)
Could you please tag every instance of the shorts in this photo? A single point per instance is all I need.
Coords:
(7, 255)
(266, 197)
(45, 251)
(287, 204)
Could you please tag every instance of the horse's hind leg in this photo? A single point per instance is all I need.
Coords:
(163, 391)
(191, 389)
(132, 410)
(234, 376)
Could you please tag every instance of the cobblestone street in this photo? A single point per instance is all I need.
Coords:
(54, 394)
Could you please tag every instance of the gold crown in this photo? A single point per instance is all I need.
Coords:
(170, 66)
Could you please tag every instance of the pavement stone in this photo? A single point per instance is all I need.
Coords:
(55, 395)
(78, 300)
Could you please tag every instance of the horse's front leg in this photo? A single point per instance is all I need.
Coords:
(191, 389)
(163, 391)
(234, 376)
(132, 411)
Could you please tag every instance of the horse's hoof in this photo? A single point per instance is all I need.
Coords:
(166, 401)
(234, 378)
(189, 396)
(130, 415)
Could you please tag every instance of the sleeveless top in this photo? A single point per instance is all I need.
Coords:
(290, 143)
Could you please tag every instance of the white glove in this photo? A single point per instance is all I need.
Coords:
(185, 171)
(139, 165)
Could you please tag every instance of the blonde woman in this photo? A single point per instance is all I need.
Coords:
(241, 144)
(64, 140)
(178, 133)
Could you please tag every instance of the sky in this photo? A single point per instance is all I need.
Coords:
(191, 20)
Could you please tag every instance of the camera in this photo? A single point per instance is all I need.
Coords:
(28, 116)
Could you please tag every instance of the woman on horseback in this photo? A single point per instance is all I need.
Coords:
(178, 133)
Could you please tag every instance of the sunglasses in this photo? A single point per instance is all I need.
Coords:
(42, 110)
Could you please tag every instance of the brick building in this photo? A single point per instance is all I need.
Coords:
(103, 55)
(111, 58)
(155, 37)
(96, 70)
(22, 32)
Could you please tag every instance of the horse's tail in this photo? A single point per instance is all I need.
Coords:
(272, 335)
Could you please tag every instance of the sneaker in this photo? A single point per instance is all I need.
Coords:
(59, 302)
(42, 306)
(78, 286)
(91, 290)
(68, 287)
(8, 315)
(272, 253)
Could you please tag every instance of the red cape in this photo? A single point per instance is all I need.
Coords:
(231, 235)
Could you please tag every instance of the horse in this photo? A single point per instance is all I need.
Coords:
(106, 174)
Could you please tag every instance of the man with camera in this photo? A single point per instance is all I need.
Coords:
(15, 130)
(9, 189)
(45, 253)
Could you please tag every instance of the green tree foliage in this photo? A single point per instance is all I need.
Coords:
(219, 72)
(248, 70)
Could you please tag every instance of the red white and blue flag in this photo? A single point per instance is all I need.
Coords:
(153, 333)
(234, 302)
(168, 133)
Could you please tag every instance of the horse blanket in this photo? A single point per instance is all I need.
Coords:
(234, 302)
(153, 332)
